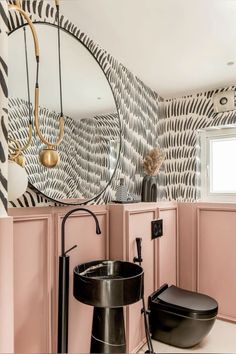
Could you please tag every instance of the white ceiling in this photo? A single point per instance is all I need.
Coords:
(175, 46)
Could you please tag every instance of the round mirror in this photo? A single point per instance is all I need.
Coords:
(90, 148)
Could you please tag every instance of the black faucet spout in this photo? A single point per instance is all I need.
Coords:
(98, 230)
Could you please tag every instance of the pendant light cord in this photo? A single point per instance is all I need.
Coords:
(59, 56)
(27, 75)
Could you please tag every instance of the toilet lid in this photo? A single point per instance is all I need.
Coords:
(190, 302)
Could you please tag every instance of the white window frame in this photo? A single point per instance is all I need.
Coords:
(206, 136)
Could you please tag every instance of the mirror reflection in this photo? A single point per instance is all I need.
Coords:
(90, 147)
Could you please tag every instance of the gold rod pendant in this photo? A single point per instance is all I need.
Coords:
(37, 127)
(50, 146)
(30, 23)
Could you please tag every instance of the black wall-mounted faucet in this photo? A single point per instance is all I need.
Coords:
(63, 288)
(98, 230)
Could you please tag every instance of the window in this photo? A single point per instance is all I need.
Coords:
(218, 164)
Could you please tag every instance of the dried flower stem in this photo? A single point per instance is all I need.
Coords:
(153, 161)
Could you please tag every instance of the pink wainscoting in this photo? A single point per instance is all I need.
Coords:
(216, 262)
(202, 258)
(207, 247)
(6, 286)
(33, 270)
(36, 250)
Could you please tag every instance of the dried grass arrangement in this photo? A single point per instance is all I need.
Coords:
(153, 161)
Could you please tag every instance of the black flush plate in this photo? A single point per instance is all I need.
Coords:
(157, 228)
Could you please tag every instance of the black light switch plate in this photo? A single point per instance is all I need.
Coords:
(157, 228)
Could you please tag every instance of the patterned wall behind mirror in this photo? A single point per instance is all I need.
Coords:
(90, 148)
(138, 106)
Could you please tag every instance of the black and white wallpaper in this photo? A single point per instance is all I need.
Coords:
(3, 108)
(137, 105)
(88, 152)
(144, 125)
(178, 133)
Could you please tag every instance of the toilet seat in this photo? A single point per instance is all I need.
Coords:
(185, 303)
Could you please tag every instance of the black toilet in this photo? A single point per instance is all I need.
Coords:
(180, 317)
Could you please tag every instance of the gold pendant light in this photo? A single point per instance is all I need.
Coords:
(15, 150)
(49, 157)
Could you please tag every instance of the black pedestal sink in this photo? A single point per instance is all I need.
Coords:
(108, 286)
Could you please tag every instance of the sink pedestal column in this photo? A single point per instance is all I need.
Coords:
(108, 332)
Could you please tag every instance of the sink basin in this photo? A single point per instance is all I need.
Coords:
(108, 286)
(106, 283)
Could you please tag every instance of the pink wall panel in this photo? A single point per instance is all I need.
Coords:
(32, 283)
(117, 232)
(167, 255)
(216, 257)
(187, 220)
(6, 286)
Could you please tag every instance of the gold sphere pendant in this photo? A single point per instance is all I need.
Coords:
(49, 157)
